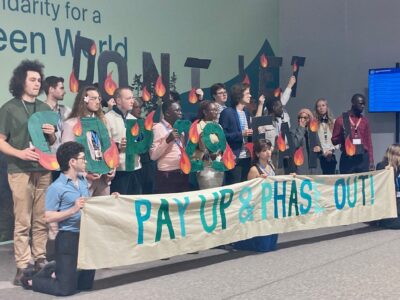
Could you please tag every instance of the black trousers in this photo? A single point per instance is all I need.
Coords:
(354, 164)
(147, 174)
(68, 280)
(171, 182)
(239, 172)
(328, 166)
(126, 183)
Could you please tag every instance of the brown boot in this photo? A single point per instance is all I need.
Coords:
(17, 279)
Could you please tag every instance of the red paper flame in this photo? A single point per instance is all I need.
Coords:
(263, 61)
(281, 143)
(73, 83)
(250, 147)
(314, 125)
(47, 160)
(159, 87)
(228, 158)
(135, 129)
(298, 157)
(148, 122)
(193, 133)
(93, 49)
(246, 79)
(277, 92)
(111, 156)
(184, 163)
(192, 96)
(295, 67)
(109, 85)
(77, 129)
(350, 147)
(146, 94)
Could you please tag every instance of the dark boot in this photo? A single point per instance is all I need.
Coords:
(39, 264)
(17, 279)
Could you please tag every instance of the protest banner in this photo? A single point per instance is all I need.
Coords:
(135, 229)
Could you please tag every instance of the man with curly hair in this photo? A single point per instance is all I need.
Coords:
(27, 179)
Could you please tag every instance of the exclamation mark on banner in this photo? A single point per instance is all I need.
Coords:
(371, 179)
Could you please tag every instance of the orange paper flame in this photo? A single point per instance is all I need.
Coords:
(47, 160)
(111, 156)
(228, 158)
(146, 94)
(73, 83)
(135, 129)
(277, 92)
(250, 147)
(148, 122)
(184, 163)
(281, 143)
(192, 96)
(77, 129)
(109, 85)
(193, 133)
(263, 61)
(93, 49)
(159, 87)
(246, 79)
(295, 67)
(314, 125)
(349, 146)
(298, 157)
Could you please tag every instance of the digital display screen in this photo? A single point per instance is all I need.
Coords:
(384, 90)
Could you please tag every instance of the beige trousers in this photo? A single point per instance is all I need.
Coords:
(28, 191)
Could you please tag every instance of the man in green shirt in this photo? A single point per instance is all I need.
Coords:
(27, 179)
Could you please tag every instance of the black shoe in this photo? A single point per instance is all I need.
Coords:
(24, 282)
(47, 270)
(39, 264)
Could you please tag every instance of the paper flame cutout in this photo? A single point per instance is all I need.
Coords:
(93, 49)
(295, 67)
(250, 147)
(298, 157)
(73, 83)
(246, 79)
(111, 156)
(314, 125)
(263, 61)
(277, 92)
(281, 142)
(184, 163)
(193, 133)
(109, 85)
(349, 146)
(146, 94)
(159, 87)
(192, 96)
(148, 122)
(135, 129)
(77, 129)
(47, 160)
(228, 158)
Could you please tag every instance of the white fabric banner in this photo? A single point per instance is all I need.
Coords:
(135, 229)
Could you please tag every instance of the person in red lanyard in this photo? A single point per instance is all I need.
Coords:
(357, 153)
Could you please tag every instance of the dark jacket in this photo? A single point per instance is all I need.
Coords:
(229, 121)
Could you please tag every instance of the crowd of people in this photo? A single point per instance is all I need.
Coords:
(47, 204)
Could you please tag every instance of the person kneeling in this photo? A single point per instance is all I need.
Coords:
(64, 200)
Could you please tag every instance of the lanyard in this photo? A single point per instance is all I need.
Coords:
(355, 125)
(169, 130)
(26, 109)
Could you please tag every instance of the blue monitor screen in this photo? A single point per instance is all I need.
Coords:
(384, 90)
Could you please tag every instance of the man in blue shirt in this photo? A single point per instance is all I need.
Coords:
(64, 199)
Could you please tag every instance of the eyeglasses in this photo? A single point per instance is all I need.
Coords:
(82, 158)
